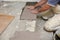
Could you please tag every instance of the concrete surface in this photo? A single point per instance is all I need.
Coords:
(39, 34)
(27, 14)
(14, 29)
(14, 9)
(26, 25)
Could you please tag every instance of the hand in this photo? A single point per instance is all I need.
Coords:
(30, 7)
(35, 11)
(45, 7)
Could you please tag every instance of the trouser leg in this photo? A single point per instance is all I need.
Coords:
(47, 14)
(53, 23)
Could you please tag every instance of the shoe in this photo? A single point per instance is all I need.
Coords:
(43, 18)
(56, 37)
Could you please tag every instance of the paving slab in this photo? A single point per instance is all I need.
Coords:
(39, 34)
(26, 25)
(27, 15)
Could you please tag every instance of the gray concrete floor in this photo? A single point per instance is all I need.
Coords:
(14, 9)
(39, 34)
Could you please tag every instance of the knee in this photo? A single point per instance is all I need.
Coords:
(49, 27)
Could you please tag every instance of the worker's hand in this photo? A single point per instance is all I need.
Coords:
(35, 11)
(31, 7)
(45, 7)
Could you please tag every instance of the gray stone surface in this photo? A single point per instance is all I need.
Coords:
(39, 34)
(26, 36)
(11, 8)
(27, 25)
(27, 15)
(44, 35)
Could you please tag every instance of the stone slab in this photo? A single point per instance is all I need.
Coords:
(26, 25)
(27, 15)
